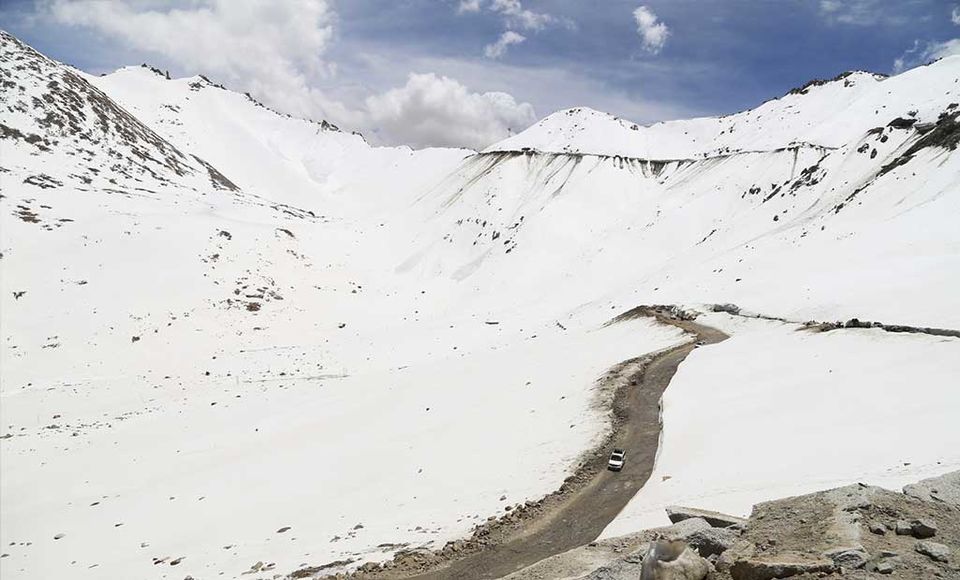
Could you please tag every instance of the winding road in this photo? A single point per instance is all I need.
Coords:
(583, 515)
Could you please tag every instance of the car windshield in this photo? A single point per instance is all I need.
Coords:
(617, 456)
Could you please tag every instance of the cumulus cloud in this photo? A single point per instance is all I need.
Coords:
(955, 15)
(923, 53)
(274, 50)
(277, 52)
(652, 32)
(439, 111)
(499, 48)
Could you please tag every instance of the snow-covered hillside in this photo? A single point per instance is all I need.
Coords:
(232, 336)
(856, 222)
(313, 165)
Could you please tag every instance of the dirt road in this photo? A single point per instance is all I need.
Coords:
(581, 517)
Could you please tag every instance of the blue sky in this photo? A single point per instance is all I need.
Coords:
(351, 60)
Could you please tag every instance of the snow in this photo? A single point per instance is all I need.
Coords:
(828, 115)
(152, 414)
(270, 341)
(285, 159)
(196, 466)
(776, 412)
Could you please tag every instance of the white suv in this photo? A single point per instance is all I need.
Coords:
(616, 460)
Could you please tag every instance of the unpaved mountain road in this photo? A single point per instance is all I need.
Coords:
(582, 515)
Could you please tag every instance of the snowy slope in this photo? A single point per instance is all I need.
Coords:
(188, 369)
(803, 231)
(312, 165)
(244, 321)
(838, 407)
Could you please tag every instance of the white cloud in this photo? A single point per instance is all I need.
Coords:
(471, 6)
(276, 51)
(273, 50)
(653, 33)
(499, 48)
(439, 111)
(955, 15)
(923, 53)
(519, 17)
(515, 17)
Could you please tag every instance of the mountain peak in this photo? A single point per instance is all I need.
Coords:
(825, 113)
(848, 79)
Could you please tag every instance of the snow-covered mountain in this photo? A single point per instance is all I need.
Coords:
(288, 159)
(797, 207)
(825, 114)
(220, 322)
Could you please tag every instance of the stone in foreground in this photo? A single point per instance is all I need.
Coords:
(715, 519)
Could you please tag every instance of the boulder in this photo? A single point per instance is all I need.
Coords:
(673, 560)
(684, 529)
(715, 519)
(903, 528)
(945, 488)
(933, 550)
(755, 569)
(884, 568)
(712, 541)
(923, 529)
(848, 558)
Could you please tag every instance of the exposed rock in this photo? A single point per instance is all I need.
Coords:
(715, 519)
(819, 535)
(673, 560)
(683, 529)
(883, 568)
(762, 570)
(901, 123)
(903, 528)
(933, 550)
(945, 488)
(713, 541)
(851, 558)
(728, 308)
(923, 529)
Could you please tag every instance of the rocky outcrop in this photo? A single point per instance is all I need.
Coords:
(857, 532)
(623, 558)
(715, 519)
(945, 488)
(672, 560)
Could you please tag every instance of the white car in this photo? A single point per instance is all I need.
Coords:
(616, 460)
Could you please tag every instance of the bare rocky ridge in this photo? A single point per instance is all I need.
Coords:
(58, 110)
